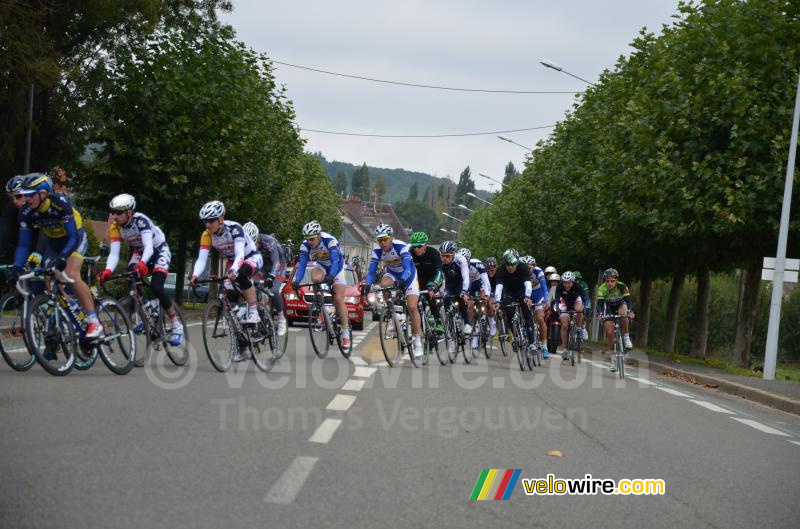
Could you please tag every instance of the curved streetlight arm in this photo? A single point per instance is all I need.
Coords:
(473, 195)
(547, 63)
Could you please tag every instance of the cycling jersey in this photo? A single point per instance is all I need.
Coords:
(326, 254)
(516, 284)
(232, 243)
(145, 239)
(58, 221)
(538, 284)
(613, 297)
(570, 296)
(456, 275)
(397, 263)
(429, 268)
(478, 279)
(272, 251)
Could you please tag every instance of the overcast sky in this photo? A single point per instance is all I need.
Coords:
(493, 45)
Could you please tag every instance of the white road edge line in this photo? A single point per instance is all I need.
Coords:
(795, 443)
(643, 381)
(712, 407)
(673, 392)
(762, 427)
(341, 402)
(291, 481)
(325, 431)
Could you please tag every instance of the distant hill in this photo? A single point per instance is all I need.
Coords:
(398, 181)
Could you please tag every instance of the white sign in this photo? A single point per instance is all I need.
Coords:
(789, 276)
(788, 264)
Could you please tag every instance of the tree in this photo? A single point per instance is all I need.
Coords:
(465, 185)
(418, 216)
(218, 129)
(511, 172)
(413, 192)
(340, 184)
(380, 188)
(359, 182)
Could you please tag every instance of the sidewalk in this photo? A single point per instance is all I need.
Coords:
(781, 394)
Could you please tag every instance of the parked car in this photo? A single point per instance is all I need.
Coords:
(188, 294)
(296, 305)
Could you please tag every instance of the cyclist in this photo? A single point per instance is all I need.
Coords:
(323, 248)
(539, 294)
(613, 297)
(150, 253)
(428, 261)
(400, 271)
(456, 279)
(478, 285)
(491, 273)
(569, 296)
(588, 305)
(514, 283)
(65, 240)
(274, 265)
(243, 260)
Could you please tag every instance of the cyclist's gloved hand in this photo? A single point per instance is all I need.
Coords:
(329, 280)
(104, 275)
(61, 264)
(141, 267)
(401, 285)
(464, 295)
(193, 280)
(296, 286)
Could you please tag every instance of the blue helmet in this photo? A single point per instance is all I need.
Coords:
(14, 184)
(35, 182)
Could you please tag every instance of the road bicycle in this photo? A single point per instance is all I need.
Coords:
(152, 327)
(619, 354)
(55, 328)
(13, 339)
(226, 336)
(323, 322)
(480, 329)
(454, 338)
(263, 286)
(502, 330)
(395, 329)
(520, 343)
(574, 339)
(430, 338)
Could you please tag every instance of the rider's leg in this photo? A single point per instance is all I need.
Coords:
(564, 318)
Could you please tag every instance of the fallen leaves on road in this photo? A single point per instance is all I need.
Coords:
(712, 386)
(555, 453)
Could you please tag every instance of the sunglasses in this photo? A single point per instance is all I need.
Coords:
(209, 221)
(447, 256)
(384, 239)
(312, 237)
(116, 211)
(611, 279)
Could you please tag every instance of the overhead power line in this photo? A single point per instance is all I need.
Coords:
(434, 87)
(425, 135)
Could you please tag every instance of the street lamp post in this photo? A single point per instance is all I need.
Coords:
(515, 143)
(462, 206)
(473, 195)
(547, 63)
(492, 179)
(452, 217)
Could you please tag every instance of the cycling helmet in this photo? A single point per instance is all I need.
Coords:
(251, 230)
(35, 182)
(383, 230)
(491, 262)
(611, 272)
(465, 253)
(312, 228)
(550, 270)
(212, 210)
(122, 202)
(528, 260)
(554, 277)
(568, 276)
(511, 257)
(14, 184)
(448, 247)
(418, 238)
(578, 275)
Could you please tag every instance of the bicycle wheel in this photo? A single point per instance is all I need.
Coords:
(51, 335)
(485, 339)
(572, 343)
(142, 331)
(451, 337)
(117, 344)
(502, 334)
(390, 337)
(219, 338)
(13, 343)
(263, 341)
(317, 330)
(346, 351)
(179, 354)
(468, 351)
(519, 346)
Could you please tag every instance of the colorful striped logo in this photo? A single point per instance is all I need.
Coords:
(495, 484)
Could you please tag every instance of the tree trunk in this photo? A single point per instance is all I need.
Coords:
(673, 308)
(746, 317)
(700, 337)
(643, 311)
(180, 264)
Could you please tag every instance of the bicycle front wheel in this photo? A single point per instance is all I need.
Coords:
(117, 345)
(13, 343)
(318, 330)
(219, 338)
(51, 335)
(502, 334)
(390, 337)
(179, 354)
(451, 338)
(263, 342)
(140, 325)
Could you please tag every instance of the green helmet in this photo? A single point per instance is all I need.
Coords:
(418, 238)
(511, 257)
(578, 275)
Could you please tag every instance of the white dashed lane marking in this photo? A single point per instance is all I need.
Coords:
(291, 481)
(341, 402)
(325, 431)
(363, 372)
(353, 385)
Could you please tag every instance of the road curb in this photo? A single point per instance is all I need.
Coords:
(761, 396)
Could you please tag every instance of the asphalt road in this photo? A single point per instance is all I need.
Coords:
(339, 443)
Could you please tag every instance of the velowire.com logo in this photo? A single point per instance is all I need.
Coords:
(495, 484)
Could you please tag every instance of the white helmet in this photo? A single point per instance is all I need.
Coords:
(568, 276)
(383, 230)
(312, 228)
(251, 230)
(554, 277)
(550, 270)
(528, 260)
(122, 202)
(212, 210)
(465, 253)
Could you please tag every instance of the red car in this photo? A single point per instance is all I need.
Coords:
(296, 306)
